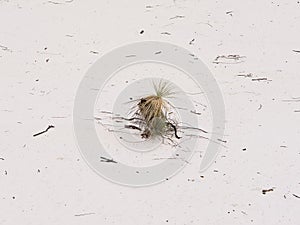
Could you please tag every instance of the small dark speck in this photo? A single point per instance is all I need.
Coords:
(244, 149)
(47, 60)
(45, 48)
(142, 31)
(130, 98)
(1, 158)
(167, 178)
(37, 80)
(126, 81)
(167, 221)
(216, 171)
(137, 171)
(13, 197)
(156, 53)
(38, 170)
(5, 172)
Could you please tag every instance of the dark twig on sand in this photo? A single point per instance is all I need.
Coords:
(175, 129)
(133, 127)
(229, 59)
(259, 79)
(177, 17)
(104, 159)
(192, 41)
(84, 214)
(267, 190)
(48, 128)
(297, 196)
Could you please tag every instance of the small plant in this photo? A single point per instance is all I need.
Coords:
(153, 111)
(154, 116)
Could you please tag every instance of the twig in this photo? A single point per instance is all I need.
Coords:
(127, 119)
(296, 196)
(84, 214)
(176, 17)
(206, 138)
(222, 140)
(104, 159)
(267, 190)
(106, 112)
(229, 13)
(236, 58)
(245, 75)
(49, 127)
(55, 3)
(259, 79)
(175, 129)
(133, 127)
(206, 24)
(192, 41)
(194, 128)
(194, 112)
(128, 56)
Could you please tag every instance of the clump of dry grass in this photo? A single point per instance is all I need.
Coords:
(156, 106)
(153, 109)
(154, 116)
